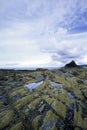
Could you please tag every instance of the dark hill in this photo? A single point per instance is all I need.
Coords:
(71, 65)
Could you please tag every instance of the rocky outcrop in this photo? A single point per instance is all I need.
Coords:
(50, 106)
(72, 64)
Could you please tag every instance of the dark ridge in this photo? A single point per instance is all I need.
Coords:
(72, 64)
(84, 66)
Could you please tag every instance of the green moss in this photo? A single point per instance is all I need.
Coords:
(34, 103)
(85, 123)
(49, 100)
(62, 79)
(50, 115)
(63, 97)
(84, 92)
(5, 118)
(35, 122)
(1, 104)
(31, 80)
(35, 94)
(51, 119)
(78, 120)
(78, 93)
(59, 107)
(18, 126)
(19, 91)
(23, 101)
(26, 111)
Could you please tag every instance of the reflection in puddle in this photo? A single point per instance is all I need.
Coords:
(56, 84)
(33, 85)
(57, 87)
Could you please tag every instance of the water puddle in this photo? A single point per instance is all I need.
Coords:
(57, 87)
(33, 85)
(56, 84)
(39, 77)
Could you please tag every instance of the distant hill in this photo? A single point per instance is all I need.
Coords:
(72, 64)
(84, 66)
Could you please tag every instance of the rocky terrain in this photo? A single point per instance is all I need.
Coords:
(58, 103)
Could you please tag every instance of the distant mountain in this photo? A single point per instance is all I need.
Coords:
(72, 64)
(84, 66)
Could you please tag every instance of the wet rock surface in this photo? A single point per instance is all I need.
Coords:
(59, 102)
(69, 117)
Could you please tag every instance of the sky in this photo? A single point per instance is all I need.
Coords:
(43, 33)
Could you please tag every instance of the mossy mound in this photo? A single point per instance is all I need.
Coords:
(49, 122)
(18, 126)
(23, 101)
(5, 118)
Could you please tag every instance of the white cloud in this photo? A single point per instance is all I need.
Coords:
(37, 32)
(71, 47)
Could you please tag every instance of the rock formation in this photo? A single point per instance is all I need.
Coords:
(71, 65)
(49, 106)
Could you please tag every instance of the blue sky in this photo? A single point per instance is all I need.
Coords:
(43, 33)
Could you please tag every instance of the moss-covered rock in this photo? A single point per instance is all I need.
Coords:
(59, 107)
(35, 102)
(78, 120)
(18, 126)
(46, 108)
(5, 118)
(1, 104)
(35, 122)
(49, 121)
(23, 101)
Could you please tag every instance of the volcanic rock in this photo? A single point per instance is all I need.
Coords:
(71, 65)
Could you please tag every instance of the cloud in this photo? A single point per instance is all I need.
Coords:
(41, 32)
(70, 47)
(66, 55)
(52, 14)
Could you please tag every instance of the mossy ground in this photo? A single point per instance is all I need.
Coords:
(5, 118)
(47, 107)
